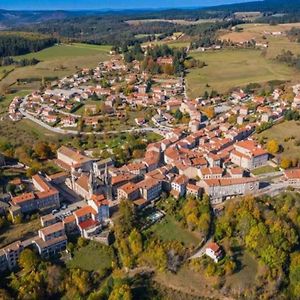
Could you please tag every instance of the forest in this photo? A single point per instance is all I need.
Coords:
(12, 44)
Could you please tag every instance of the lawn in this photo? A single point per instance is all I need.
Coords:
(56, 62)
(263, 170)
(286, 134)
(19, 232)
(169, 230)
(93, 257)
(231, 68)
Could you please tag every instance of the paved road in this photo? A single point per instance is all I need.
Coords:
(161, 131)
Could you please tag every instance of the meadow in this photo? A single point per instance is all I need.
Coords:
(258, 33)
(230, 68)
(55, 62)
(287, 134)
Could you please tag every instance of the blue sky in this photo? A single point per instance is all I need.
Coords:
(103, 4)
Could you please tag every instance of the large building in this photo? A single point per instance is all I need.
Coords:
(220, 189)
(249, 155)
(68, 159)
(9, 255)
(51, 240)
(45, 197)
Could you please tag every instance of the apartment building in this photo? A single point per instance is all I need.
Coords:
(51, 240)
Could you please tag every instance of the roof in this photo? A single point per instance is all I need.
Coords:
(74, 155)
(213, 246)
(229, 181)
(86, 210)
(23, 198)
(292, 174)
(52, 228)
(44, 244)
(69, 219)
(88, 224)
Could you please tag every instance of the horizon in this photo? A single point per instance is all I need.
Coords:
(112, 5)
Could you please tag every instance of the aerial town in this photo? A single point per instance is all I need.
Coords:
(206, 156)
(150, 153)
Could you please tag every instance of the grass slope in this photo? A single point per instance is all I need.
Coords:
(56, 61)
(93, 257)
(233, 68)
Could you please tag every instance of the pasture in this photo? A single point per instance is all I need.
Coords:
(55, 62)
(230, 68)
(263, 33)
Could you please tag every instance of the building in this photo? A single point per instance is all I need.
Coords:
(68, 158)
(101, 167)
(45, 198)
(220, 189)
(214, 251)
(51, 240)
(9, 255)
(178, 186)
(249, 155)
(193, 190)
(150, 189)
(293, 177)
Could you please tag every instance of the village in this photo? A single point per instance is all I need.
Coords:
(213, 151)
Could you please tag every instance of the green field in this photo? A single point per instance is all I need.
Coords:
(169, 230)
(93, 257)
(227, 69)
(263, 170)
(56, 62)
(287, 134)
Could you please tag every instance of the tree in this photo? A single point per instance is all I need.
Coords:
(135, 242)
(122, 292)
(294, 274)
(209, 112)
(28, 260)
(273, 147)
(285, 163)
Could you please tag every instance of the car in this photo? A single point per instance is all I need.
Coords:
(54, 211)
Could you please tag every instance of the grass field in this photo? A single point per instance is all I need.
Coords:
(263, 170)
(169, 230)
(245, 278)
(231, 68)
(93, 257)
(286, 134)
(257, 32)
(57, 61)
(19, 231)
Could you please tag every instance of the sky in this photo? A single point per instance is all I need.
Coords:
(107, 4)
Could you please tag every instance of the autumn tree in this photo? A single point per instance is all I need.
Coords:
(28, 260)
(273, 147)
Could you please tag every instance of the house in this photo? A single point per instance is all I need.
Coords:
(51, 240)
(193, 190)
(214, 251)
(178, 186)
(293, 177)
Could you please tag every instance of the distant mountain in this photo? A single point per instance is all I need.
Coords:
(10, 19)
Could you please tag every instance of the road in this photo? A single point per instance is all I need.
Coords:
(161, 131)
